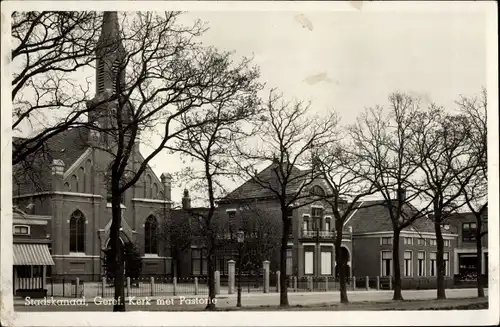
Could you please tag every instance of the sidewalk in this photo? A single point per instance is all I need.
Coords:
(309, 297)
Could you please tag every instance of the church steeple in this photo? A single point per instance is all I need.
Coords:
(110, 77)
(110, 56)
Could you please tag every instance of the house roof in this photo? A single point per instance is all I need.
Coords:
(373, 216)
(265, 182)
(34, 175)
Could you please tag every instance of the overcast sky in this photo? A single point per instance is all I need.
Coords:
(352, 60)
(346, 60)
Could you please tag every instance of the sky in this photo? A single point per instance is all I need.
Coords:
(349, 61)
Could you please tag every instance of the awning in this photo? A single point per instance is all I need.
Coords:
(32, 255)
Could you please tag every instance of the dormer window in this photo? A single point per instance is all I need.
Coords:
(21, 230)
(317, 191)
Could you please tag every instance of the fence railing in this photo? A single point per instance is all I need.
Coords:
(170, 286)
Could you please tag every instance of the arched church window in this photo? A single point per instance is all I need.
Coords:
(155, 191)
(82, 177)
(148, 186)
(74, 183)
(150, 235)
(77, 232)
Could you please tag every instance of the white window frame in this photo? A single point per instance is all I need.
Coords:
(308, 256)
(305, 221)
(382, 266)
(328, 267)
(408, 273)
(418, 264)
(421, 241)
(389, 238)
(408, 240)
(433, 264)
(446, 263)
(14, 230)
(447, 243)
(328, 220)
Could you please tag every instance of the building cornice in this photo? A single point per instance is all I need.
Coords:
(152, 201)
(86, 195)
(405, 233)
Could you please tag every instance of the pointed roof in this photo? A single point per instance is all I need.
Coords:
(373, 216)
(110, 27)
(252, 189)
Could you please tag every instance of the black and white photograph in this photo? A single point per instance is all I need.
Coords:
(249, 163)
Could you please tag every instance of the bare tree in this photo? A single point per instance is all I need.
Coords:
(178, 232)
(475, 189)
(208, 144)
(150, 74)
(344, 173)
(261, 240)
(441, 149)
(382, 146)
(48, 48)
(287, 135)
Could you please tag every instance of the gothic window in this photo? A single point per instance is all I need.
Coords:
(155, 191)
(77, 232)
(81, 174)
(88, 179)
(148, 186)
(66, 187)
(74, 183)
(150, 235)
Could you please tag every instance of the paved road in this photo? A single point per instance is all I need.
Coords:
(248, 300)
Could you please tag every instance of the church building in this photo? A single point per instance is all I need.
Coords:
(68, 181)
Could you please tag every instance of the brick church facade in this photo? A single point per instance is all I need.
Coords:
(69, 183)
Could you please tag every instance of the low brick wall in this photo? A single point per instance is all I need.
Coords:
(423, 283)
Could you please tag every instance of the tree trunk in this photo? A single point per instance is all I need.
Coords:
(441, 293)
(479, 259)
(211, 275)
(284, 246)
(117, 250)
(398, 296)
(341, 262)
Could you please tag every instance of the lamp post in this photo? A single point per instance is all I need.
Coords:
(317, 222)
(240, 238)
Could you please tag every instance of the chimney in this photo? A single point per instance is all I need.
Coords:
(166, 180)
(186, 200)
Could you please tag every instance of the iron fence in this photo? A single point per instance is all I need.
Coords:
(75, 286)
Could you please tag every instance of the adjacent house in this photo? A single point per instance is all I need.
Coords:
(372, 238)
(31, 253)
(465, 252)
(311, 237)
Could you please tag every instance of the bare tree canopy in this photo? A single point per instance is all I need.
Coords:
(48, 47)
(286, 137)
(382, 144)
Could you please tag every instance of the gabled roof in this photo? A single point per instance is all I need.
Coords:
(373, 216)
(35, 174)
(252, 189)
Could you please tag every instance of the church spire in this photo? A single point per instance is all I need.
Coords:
(110, 55)
(110, 27)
